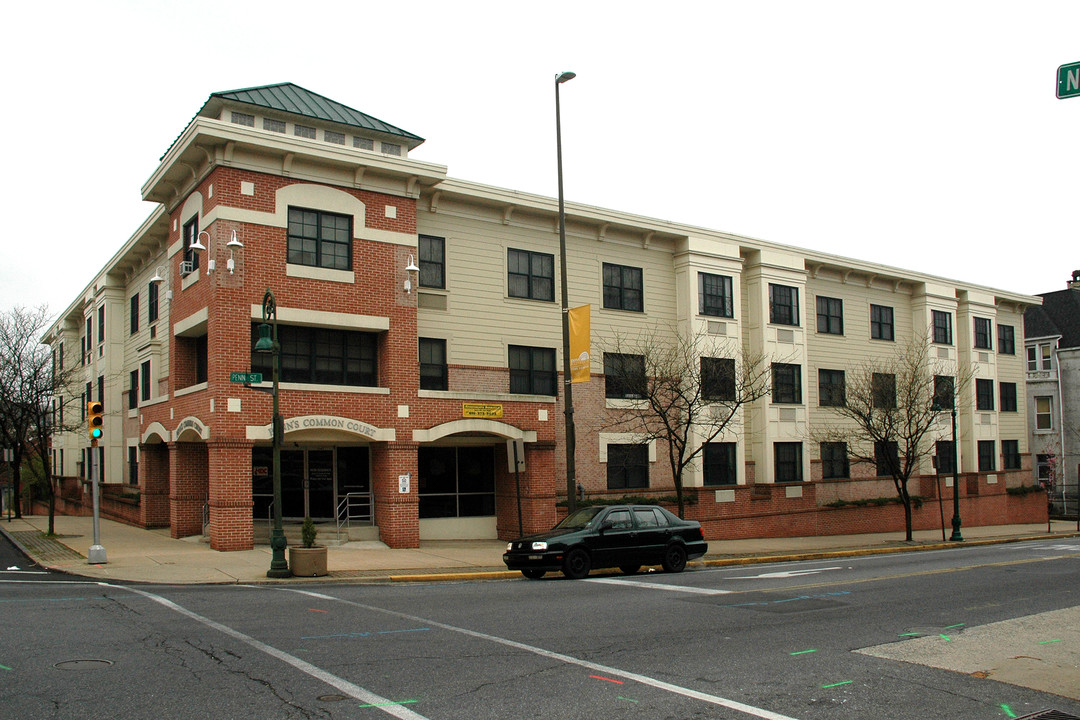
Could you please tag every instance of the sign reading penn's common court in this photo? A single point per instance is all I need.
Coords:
(481, 410)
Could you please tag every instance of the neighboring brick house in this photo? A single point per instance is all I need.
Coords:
(420, 333)
(1052, 346)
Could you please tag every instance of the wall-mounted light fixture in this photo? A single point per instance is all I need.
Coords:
(410, 269)
(161, 273)
(211, 263)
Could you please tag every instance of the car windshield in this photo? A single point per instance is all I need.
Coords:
(579, 519)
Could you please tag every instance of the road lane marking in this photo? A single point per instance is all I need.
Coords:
(658, 586)
(560, 657)
(786, 574)
(350, 689)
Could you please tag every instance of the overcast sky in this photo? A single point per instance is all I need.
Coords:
(921, 135)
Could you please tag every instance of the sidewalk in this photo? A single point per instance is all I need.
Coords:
(152, 556)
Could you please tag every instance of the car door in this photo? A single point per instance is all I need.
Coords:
(653, 534)
(615, 539)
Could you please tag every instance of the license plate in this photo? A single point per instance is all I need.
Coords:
(536, 557)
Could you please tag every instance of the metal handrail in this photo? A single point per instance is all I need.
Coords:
(353, 506)
(206, 517)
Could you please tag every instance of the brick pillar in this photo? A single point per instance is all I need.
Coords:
(538, 492)
(231, 526)
(188, 486)
(396, 514)
(154, 485)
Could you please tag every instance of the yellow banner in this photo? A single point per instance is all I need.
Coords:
(481, 410)
(580, 366)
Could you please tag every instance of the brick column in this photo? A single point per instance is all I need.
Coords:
(154, 485)
(188, 486)
(396, 514)
(231, 526)
(538, 492)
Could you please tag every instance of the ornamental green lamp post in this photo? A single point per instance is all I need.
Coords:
(268, 342)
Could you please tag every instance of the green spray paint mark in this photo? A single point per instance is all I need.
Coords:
(950, 627)
(908, 635)
(1047, 642)
(803, 652)
(946, 638)
(403, 702)
(4, 667)
(620, 697)
(846, 682)
(1008, 711)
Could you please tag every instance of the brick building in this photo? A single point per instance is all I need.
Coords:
(420, 332)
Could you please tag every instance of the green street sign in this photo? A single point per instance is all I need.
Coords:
(1068, 80)
(245, 377)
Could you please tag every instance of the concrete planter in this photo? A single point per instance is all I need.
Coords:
(307, 562)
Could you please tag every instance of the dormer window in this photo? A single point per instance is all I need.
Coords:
(273, 125)
(304, 131)
(243, 119)
(391, 149)
(363, 143)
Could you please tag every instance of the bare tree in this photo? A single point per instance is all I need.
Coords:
(684, 391)
(889, 408)
(31, 388)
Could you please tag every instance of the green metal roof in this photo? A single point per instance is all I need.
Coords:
(291, 98)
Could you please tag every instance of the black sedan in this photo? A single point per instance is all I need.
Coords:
(622, 536)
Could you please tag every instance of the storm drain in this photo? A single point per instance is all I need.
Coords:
(1050, 715)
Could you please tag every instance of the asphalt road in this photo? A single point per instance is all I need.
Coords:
(919, 635)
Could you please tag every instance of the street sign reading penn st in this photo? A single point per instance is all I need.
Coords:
(246, 378)
(1068, 80)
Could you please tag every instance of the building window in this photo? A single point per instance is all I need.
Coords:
(831, 388)
(363, 143)
(133, 391)
(243, 119)
(152, 303)
(334, 137)
(432, 251)
(943, 392)
(202, 359)
(834, 460)
(101, 324)
(1006, 340)
(144, 380)
(983, 341)
(718, 460)
(530, 275)
(456, 481)
(1044, 465)
(715, 296)
(946, 456)
(783, 305)
(787, 458)
(830, 316)
(881, 323)
(1010, 454)
(987, 452)
(886, 458)
(304, 131)
(717, 378)
(623, 288)
(133, 465)
(391, 148)
(1046, 356)
(883, 390)
(134, 315)
(433, 370)
(786, 383)
(1007, 393)
(321, 356)
(624, 376)
(627, 467)
(942, 327)
(272, 125)
(191, 234)
(89, 334)
(320, 239)
(532, 370)
(984, 394)
(1044, 416)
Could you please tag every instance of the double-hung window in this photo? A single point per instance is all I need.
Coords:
(834, 460)
(946, 456)
(627, 467)
(715, 296)
(152, 303)
(984, 394)
(883, 390)
(943, 392)
(881, 323)
(623, 288)
(144, 380)
(191, 234)
(1044, 412)
(987, 456)
(831, 388)
(624, 376)
(783, 305)
(983, 341)
(133, 392)
(786, 383)
(530, 275)
(532, 370)
(787, 461)
(718, 460)
(1010, 454)
(433, 369)
(320, 239)
(942, 322)
(1006, 340)
(886, 458)
(134, 313)
(322, 356)
(1007, 394)
(830, 316)
(432, 252)
(717, 378)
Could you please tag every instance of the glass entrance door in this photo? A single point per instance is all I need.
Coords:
(320, 484)
(307, 483)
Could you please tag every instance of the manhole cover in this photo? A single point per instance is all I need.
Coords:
(82, 664)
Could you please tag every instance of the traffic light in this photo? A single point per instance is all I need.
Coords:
(95, 419)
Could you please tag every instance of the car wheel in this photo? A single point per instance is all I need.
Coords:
(674, 559)
(533, 574)
(576, 565)
(629, 569)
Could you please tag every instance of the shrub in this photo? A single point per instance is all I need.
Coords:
(308, 532)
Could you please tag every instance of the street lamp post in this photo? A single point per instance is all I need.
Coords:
(568, 407)
(956, 536)
(268, 342)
